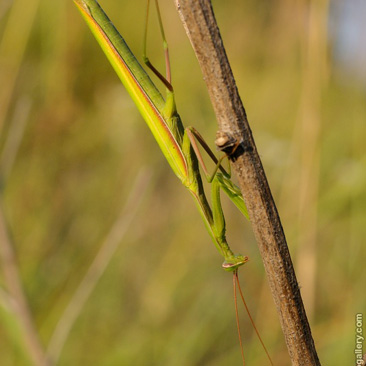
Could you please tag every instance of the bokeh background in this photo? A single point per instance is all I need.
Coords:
(83, 181)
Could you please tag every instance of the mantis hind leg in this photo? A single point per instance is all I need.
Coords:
(167, 79)
(170, 107)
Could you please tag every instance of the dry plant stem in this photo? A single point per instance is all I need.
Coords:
(202, 30)
(19, 303)
(99, 265)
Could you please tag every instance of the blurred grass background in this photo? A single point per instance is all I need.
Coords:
(72, 144)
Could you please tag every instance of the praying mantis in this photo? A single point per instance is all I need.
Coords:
(178, 144)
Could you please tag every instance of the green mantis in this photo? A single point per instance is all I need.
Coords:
(177, 143)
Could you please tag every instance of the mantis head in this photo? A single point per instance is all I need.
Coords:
(233, 263)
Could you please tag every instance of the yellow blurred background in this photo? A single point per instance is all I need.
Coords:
(74, 150)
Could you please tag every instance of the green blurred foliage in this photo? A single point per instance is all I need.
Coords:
(164, 300)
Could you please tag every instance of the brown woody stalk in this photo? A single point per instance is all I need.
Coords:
(200, 24)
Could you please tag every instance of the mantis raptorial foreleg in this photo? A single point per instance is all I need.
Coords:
(223, 177)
